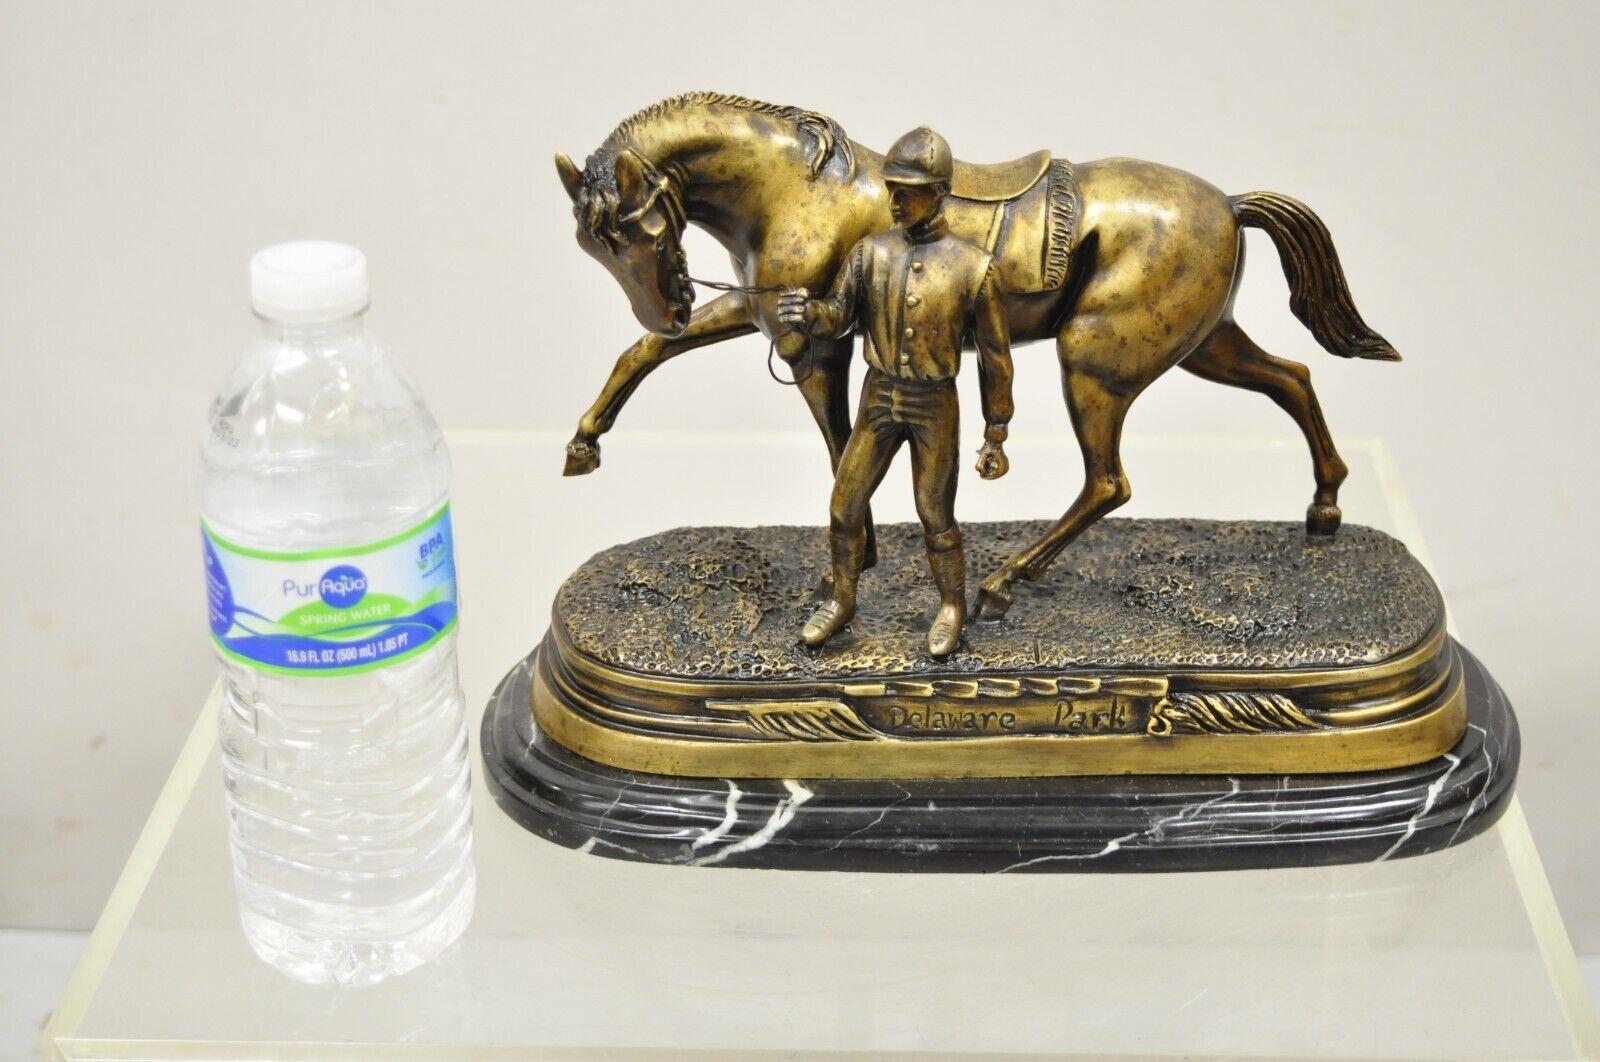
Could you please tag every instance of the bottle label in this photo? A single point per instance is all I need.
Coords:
(337, 611)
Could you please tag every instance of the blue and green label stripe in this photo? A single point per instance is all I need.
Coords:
(324, 554)
(287, 655)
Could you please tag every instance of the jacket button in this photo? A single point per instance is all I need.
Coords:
(916, 267)
(909, 332)
(912, 300)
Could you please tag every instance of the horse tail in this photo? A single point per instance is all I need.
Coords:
(1318, 293)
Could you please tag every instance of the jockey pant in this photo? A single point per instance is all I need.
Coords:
(893, 411)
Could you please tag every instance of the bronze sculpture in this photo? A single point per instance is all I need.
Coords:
(1130, 266)
(918, 292)
(1186, 694)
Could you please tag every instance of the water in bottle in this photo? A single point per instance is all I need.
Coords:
(331, 579)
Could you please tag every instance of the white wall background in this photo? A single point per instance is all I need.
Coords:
(146, 150)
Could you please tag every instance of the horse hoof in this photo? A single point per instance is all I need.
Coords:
(583, 456)
(1322, 520)
(993, 602)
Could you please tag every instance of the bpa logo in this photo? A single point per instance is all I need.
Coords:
(342, 586)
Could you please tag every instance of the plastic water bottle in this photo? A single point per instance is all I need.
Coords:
(332, 588)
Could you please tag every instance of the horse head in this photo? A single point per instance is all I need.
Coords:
(630, 220)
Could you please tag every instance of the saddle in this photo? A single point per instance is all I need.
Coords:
(1024, 212)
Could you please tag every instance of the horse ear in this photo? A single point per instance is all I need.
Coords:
(571, 177)
(632, 184)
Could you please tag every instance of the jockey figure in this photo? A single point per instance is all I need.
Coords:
(917, 292)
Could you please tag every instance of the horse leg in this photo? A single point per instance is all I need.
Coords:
(1098, 411)
(824, 382)
(1228, 356)
(724, 317)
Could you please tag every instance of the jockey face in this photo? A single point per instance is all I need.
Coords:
(914, 205)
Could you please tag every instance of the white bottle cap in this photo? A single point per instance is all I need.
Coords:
(308, 281)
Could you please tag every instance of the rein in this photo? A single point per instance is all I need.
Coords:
(666, 192)
(808, 362)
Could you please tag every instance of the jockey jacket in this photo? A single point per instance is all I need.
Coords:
(917, 298)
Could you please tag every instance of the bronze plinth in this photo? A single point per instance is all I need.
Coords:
(1191, 647)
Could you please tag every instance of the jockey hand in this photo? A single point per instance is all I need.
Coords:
(992, 461)
(797, 309)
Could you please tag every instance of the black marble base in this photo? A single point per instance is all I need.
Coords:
(1134, 823)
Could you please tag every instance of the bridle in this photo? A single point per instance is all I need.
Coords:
(664, 191)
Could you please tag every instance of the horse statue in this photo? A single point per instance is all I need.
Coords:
(1130, 266)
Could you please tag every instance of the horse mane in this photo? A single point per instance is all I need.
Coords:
(825, 137)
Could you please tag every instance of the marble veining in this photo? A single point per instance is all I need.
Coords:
(730, 815)
(1427, 806)
(782, 815)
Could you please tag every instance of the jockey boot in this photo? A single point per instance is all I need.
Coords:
(948, 562)
(849, 551)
